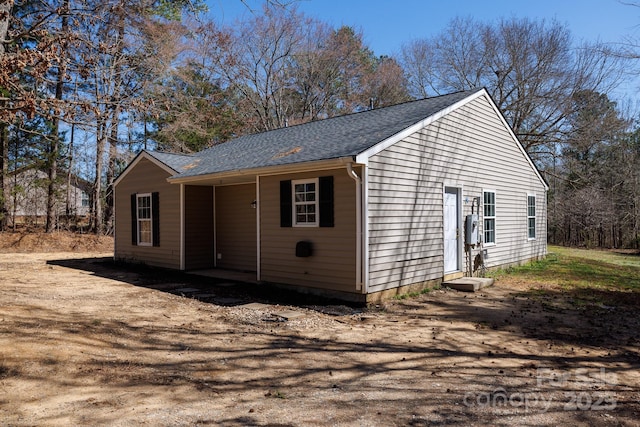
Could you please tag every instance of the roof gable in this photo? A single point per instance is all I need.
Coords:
(169, 162)
(516, 141)
(375, 149)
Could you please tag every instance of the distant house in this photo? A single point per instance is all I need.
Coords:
(360, 206)
(26, 196)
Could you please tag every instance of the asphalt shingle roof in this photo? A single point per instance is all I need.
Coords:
(177, 162)
(332, 138)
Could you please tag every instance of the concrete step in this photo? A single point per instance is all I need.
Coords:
(468, 284)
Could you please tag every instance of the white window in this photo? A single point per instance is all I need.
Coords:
(305, 203)
(531, 216)
(84, 200)
(144, 219)
(489, 216)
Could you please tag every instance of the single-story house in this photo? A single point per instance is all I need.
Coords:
(359, 206)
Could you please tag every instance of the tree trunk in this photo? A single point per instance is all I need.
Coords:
(5, 14)
(54, 145)
(636, 212)
(4, 167)
(101, 139)
(68, 211)
(115, 124)
(52, 193)
(111, 167)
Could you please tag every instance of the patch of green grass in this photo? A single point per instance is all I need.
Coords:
(415, 294)
(609, 257)
(579, 268)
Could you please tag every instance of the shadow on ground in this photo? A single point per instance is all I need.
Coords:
(403, 366)
(213, 290)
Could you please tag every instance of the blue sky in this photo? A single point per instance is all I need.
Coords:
(387, 24)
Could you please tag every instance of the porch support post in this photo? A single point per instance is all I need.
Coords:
(182, 230)
(215, 230)
(258, 227)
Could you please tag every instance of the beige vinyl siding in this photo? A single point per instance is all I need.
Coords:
(332, 265)
(146, 177)
(471, 148)
(198, 227)
(236, 238)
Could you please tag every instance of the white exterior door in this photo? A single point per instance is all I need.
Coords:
(451, 240)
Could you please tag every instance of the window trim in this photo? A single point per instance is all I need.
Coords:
(489, 217)
(294, 203)
(84, 197)
(139, 220)
(534, 217)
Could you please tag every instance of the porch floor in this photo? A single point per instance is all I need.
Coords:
(468, 284)
(232, 275)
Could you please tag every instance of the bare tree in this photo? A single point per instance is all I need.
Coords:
(291, 69)
(531, 69)
(189, 108)
(254, 60)
(53, 150)
(594, 195)
(336, 73)
(416, 57)
(5, 15)
(115, 66)
(385, 84)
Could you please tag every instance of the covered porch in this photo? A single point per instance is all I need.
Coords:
(219, 227)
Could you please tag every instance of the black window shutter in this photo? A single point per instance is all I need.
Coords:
(134, 220)
(286, 207)
(155, 215)
(326, 201)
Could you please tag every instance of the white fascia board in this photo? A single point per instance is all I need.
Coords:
(144, 155)
(363, 157)
(267, 170)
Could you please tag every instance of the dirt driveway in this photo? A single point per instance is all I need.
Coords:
(83, 342)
